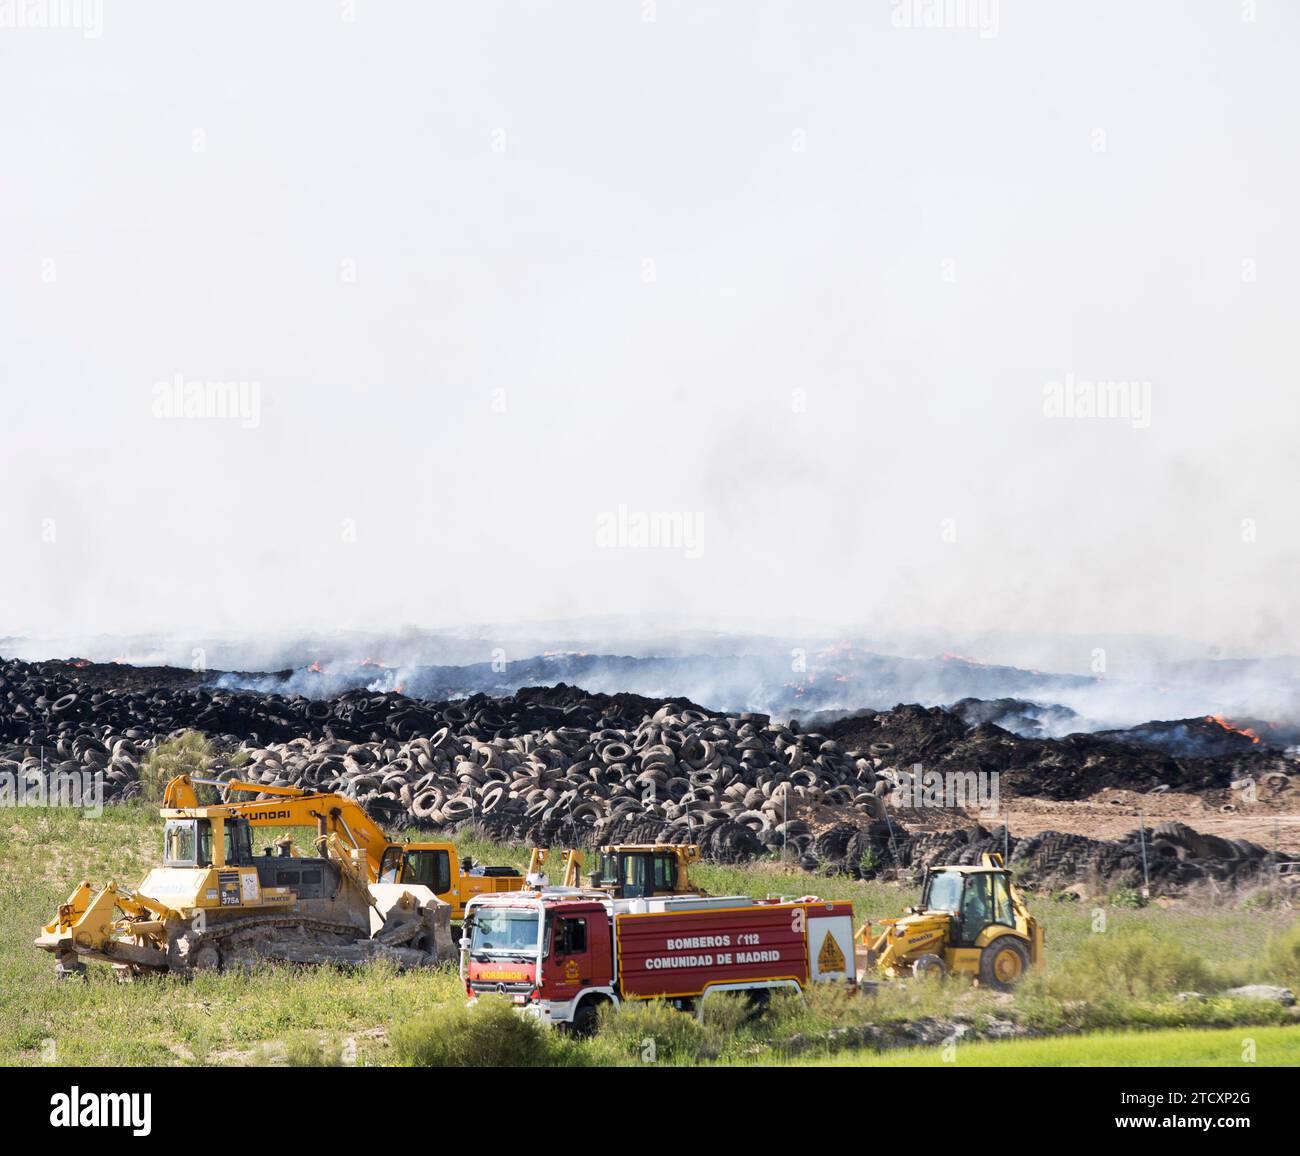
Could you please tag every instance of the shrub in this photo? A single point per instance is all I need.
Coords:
(189, 753)
(728, 1013)
(1126, 963)
(1282, 957)
(655, 1032)
(490, 1034)
(305, 1050)
(820, 1008)
(1129, 897)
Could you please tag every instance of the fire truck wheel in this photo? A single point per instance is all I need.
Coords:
(928, 966)
(586, 1018)
(1003, 963)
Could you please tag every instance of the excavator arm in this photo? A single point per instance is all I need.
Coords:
(330, 814)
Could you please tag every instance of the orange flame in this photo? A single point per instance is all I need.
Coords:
(315, 668)
(1227, 726)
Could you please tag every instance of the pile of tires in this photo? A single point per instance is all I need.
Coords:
(728, 782)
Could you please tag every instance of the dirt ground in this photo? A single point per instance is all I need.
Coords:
(1271, 821)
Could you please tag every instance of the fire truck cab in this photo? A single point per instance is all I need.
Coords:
(560, 954)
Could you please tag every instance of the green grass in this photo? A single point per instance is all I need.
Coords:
(1222, 1047)
(324, 1015)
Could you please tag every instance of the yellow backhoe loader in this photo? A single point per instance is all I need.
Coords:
(970, 921)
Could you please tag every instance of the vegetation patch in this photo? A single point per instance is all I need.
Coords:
(1128, 976)
(490, 1034)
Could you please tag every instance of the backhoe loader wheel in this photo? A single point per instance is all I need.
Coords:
(1003, 963)
(928, 966)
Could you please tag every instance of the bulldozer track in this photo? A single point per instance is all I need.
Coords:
(220, 937)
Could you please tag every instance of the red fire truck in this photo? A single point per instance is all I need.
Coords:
(561, 953)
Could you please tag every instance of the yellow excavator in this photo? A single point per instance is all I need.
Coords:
(970, 921)
(434, 865)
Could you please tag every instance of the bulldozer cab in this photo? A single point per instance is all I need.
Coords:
(641, 872)
(200, 841)
(975, 898)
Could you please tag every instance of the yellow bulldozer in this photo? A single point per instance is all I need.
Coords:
(214, 902)
(970, 921)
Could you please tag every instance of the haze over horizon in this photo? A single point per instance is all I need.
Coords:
(755, 270)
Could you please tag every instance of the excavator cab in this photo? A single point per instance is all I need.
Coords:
(430, 866)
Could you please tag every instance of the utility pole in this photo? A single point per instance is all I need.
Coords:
(1142, 838)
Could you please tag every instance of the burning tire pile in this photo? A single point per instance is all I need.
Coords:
(1067, 768)
(557, 766)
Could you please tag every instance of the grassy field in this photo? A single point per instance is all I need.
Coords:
(1189, 1047)
(1125, 976)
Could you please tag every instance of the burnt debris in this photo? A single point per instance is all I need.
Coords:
(557, 765)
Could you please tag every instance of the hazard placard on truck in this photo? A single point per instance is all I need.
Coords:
(561, 954)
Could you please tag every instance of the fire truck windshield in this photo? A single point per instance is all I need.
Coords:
(505, 931)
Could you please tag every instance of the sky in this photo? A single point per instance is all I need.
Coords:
(367, 315)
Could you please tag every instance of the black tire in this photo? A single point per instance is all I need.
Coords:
(760, 999)
(586, 1019)
(930, 966)
(997, 970)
